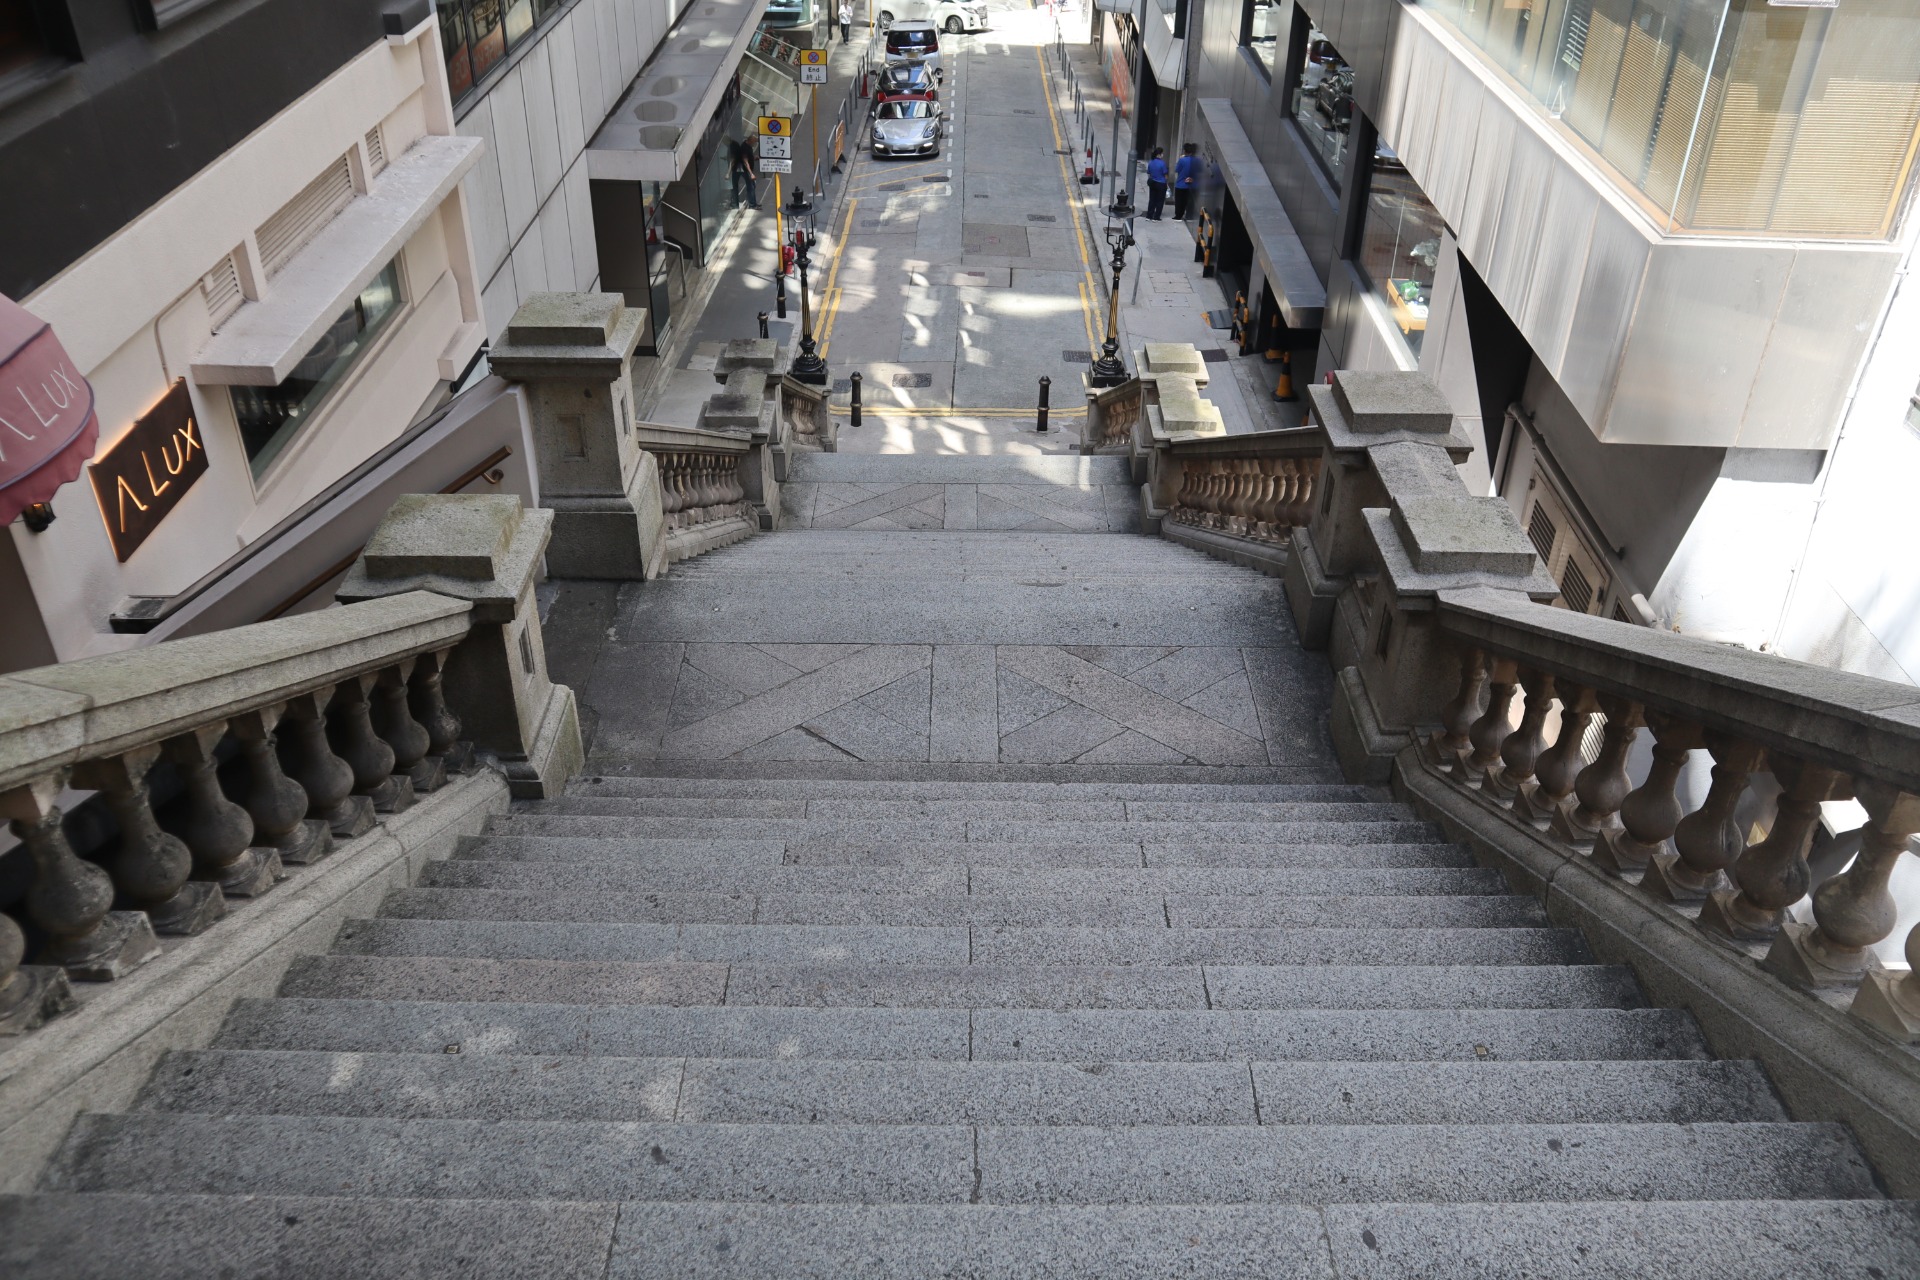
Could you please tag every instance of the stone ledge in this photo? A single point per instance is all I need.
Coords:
(96, 1058)
(1825, 1065)
(1269, 558)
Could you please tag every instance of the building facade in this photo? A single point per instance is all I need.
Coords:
(245, 224)
(1654, 250)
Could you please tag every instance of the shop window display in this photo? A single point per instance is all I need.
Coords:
(1323, 102)
(1400, 245)
(1264, 23)
(270, 417)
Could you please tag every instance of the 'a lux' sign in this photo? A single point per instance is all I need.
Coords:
(141, 479)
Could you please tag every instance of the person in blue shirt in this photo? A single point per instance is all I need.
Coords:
(1186, 179)
(1157, 183)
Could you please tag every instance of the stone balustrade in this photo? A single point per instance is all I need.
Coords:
(1239, 498)
(714, 487)
(224, 759)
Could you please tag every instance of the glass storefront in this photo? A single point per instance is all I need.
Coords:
(1400, 244)
(270, 417)
(1728, 116)
(1323, 102)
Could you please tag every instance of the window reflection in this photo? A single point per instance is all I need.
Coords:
(270, 417)
(453, 42)
(1264, 29)
(489, 36)
(1400, 244)
(476, 34)
(1323, 102)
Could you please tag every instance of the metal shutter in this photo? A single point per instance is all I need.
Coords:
(288, 231)
(221, 289)
(376, 152)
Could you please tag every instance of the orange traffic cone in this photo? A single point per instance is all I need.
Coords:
(1273, 351)
(1087, 177)
(1283, 390)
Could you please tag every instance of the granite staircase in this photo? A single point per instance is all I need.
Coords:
(755, 1017)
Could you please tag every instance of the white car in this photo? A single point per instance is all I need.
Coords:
(951, 16)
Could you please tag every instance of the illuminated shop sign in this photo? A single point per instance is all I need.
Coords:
(141, 479)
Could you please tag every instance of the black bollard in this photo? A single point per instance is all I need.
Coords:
(856, 399)
(780, 294)
(762, 317)
(1046, 384)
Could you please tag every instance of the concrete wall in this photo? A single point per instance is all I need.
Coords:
(133, 317)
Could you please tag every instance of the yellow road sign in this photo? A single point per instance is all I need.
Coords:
(777, 126)
(813, 57)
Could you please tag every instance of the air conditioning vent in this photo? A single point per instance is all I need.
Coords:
(1541, 531)
(221, 289)
(376, 152)
(1574, 586)
(288, 231)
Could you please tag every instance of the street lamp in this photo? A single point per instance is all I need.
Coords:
(1109, 370)
(807, 365)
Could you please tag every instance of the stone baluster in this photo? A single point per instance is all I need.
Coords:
(1891, 1001)
(1707, 840)
(1307, 473)
(1448, 747)
(1521, 752)
(1602, 786)
(1651, 811)
(218, 831)
(426, 694)
(1240, 501)
(1559, 766)
(350, 732)
(1490, 731)
(1853, 910)
(151, 869)
(1189, 489)
(277, 804)
(29, 994)
(309, 760)
(736, 487)
(393, 721)
(669, 492)
(70, 901)
(1771, 875)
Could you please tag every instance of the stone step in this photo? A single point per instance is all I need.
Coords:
(163, 1237)
(1251, 885)
(960, 908)
(101, 1236)
(729, 854)
(1001, 944)
(1041, 813)
(883, 984)
(909, 468)
(610, 760)
(846, 830)
(761, 1091)
(397, 1025)
(865, 1164)
(855, 789)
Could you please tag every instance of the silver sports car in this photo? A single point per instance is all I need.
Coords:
(907, 127)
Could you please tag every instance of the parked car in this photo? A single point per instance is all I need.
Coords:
(906, 127)
(916, 41)
(951, 16)
(905, 80)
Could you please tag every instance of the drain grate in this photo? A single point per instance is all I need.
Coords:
(935, 177)
(1025, 111)
(912, 380)
(1220, 319)
(1214, 355)
(895, 186)
(1077, 357)
(1041, 217)
(981, 195)
(979, 274)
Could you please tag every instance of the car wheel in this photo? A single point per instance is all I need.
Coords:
(955, 26)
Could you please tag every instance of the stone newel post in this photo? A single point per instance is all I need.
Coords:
(573, 354)
(485, 548)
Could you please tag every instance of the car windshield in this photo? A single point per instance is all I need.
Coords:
(906, 77)
(909, 39)
(915, 110)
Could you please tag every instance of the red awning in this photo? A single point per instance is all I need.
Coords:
(47, 427)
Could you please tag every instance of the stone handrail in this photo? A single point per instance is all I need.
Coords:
(715, 487)
(1258, 486)
(224, 758)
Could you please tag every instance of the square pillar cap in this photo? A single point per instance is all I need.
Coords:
(482, 547)
(1330, 413)
(558, 335)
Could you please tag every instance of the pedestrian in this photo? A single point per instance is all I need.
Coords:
(1186, 177)
(846, 21)
(1156, 183)
(740, 167)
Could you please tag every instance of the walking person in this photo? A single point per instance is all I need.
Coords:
(846, 21)
(1156, 183)
(740, 168)
(1186, 179)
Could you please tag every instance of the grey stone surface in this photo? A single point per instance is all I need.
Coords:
(953, 789)
(613, 943)
(1253, 884)
(1388, 1035)
(977, 986)
(1304, 847)
(1242, 910)
(992, 1242)
(188, 1237)
(418, 976)
(1351, 986)
(514, 1159)
(1436, 1163)
(548, 905)
(620, 877)
(1386, 948)
(1738, 1240)
(640, 853)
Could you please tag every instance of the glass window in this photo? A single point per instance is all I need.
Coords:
(1400, 244)
(1264, 29)
(519, 20)
(1726, 115)
(270, 417)
(906, 109)
(21, 43)
(489, 37)
(453, 42)
(1323, 102)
